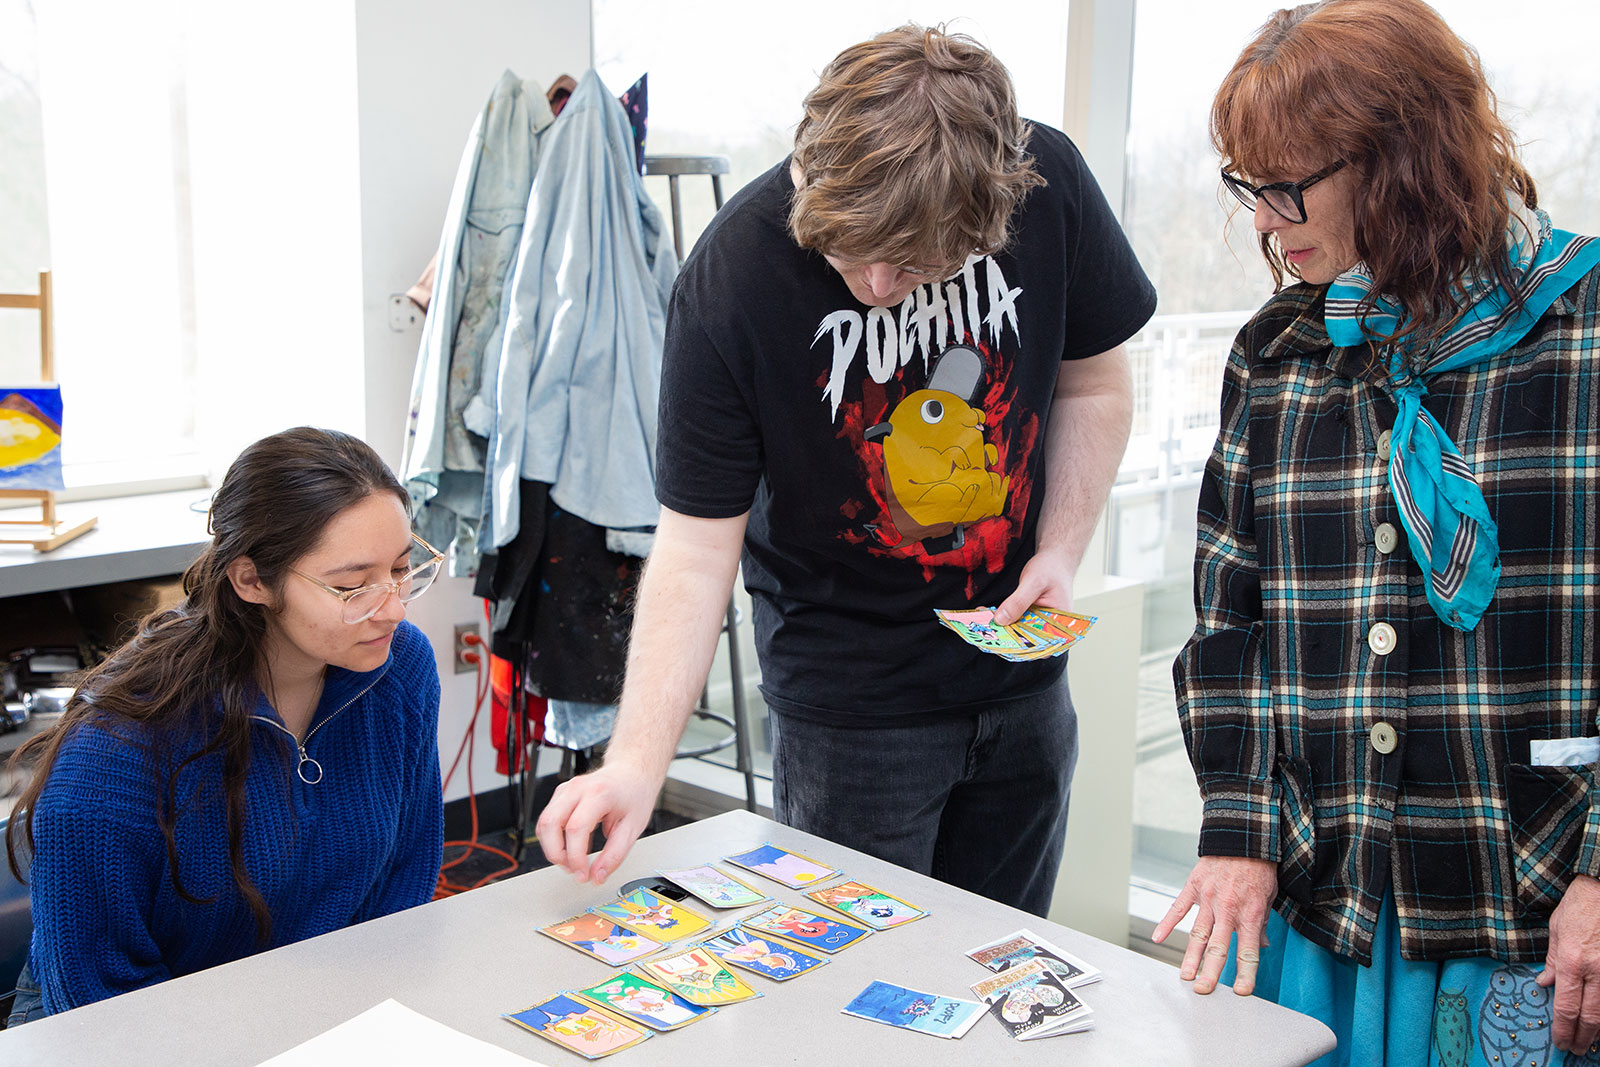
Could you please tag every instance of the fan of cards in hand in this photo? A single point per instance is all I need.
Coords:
(1039, 634)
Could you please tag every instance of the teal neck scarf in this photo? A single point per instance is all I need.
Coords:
(1445, 516)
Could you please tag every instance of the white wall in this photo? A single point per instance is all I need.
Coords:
(423, 72)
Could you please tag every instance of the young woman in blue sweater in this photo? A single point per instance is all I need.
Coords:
(258, 765)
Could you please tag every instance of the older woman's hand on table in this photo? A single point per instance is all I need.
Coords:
(1572, 965)
(1233, 895)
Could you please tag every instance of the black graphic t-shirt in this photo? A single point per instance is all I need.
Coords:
(891, 459)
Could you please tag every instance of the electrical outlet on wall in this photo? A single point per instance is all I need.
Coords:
(468, 640)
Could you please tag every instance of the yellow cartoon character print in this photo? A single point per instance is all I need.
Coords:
(937, 465)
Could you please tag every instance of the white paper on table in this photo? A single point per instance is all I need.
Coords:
(395, 1036)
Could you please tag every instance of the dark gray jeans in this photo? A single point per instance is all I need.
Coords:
(979, 801)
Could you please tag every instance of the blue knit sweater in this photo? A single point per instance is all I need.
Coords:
(364, 841)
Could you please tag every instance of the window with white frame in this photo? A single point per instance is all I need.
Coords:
(109, 91)
(198, 206)
(25, 249)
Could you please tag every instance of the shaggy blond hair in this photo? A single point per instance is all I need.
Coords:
(911, 152)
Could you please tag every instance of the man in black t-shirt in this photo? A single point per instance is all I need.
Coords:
(894, 378)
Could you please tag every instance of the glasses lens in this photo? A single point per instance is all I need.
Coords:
(419, 582)
(1280, 201)
(365, 604)
(1241, 192)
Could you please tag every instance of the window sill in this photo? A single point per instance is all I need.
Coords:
(112, 478)
(145, 475)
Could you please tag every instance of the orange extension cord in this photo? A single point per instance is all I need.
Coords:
(447, 888)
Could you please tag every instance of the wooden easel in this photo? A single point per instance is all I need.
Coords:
(48, 532)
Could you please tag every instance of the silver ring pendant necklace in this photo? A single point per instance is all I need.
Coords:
(315, 773)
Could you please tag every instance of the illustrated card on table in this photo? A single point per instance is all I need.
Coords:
(1022, 946)
(771, 957)
(714, 887)
(1030, 1002)
(806, 928)
(926, 1013)
(654, 916)
(700, 978)
(640, 1000)
(602, 939)
(782, 866)
(578, 1027)
(866, 905)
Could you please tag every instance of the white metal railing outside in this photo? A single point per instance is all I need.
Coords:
(1177, 363)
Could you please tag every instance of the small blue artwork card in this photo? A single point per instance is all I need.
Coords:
(653, 916)
(782, 866)
(771, 958)
(578, 1027)
(30, 437)
(910, 1009)
(806, 928)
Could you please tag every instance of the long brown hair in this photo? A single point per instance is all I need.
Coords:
(1386, 86)
(912, 152)
(193, 670)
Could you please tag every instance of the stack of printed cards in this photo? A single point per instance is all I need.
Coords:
(653, 916)
(926, 1013)
(1039, 634)
(579, 1027)
(715, 888)
(661, 993)
(782, 866)
(700, 978)
(640, 1000)
(1023, 946)
(771, 957)
(601, 938)
(866, 905)
(806, 928)
(1030, 1001)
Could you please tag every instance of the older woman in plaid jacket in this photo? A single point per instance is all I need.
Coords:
(1390, 695)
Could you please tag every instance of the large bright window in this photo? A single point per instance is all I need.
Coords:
(197, 206)
(25, 249)
(116, 169)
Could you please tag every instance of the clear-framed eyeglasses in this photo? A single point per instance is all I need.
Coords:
(363, 603)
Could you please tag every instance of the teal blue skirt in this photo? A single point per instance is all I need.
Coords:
(1401, 1013)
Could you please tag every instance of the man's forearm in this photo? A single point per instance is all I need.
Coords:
(682, 600)
(1084, 443)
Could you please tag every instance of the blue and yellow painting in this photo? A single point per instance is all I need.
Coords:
(30, 437)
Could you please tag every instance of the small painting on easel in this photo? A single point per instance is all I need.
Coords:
(30, 437)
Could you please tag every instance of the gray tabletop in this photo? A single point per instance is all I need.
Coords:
(465, 960)
(137, 537)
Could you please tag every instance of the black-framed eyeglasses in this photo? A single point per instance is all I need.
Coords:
(1286, 198)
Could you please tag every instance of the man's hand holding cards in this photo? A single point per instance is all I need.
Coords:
(1039, 634)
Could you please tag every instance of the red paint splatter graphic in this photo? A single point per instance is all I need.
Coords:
(985, 542)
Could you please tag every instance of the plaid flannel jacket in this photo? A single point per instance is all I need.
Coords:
(1336, 726)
